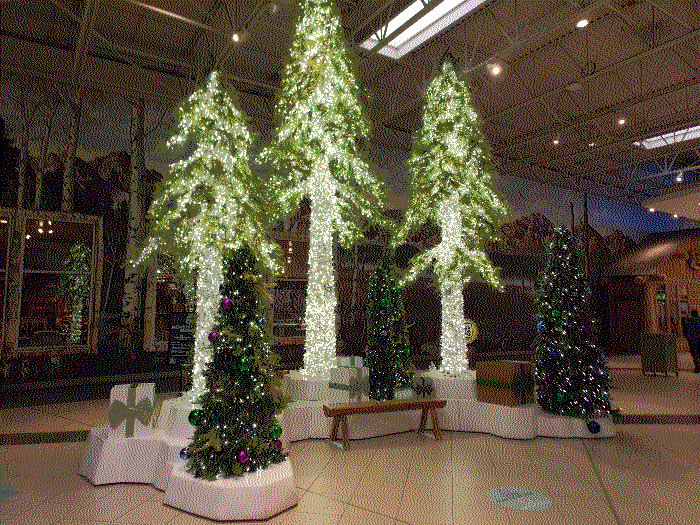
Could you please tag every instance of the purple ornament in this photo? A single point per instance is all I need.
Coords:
(278, 444)
(242, 457)
(212, 336)
(226, 304)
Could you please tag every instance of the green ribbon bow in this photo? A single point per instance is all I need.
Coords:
(356, 387)
(130, 412)
(522, 386)
(423, 389)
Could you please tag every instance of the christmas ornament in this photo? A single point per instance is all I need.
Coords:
(369, 295)
(556, 313)
(542, 327)
(539, 363)
(224, 290)
(553, 354)
(262, 322)
(561, 397)
(276, 431)
(278, 444)
(398, 289)
(406, 350)
(246, 363)
(384, 302)
(242, 457)
(212, 337)
(183, 454)
(578, 253)
(593, 427)
(226, 304)
(383, 333)
(194, 417)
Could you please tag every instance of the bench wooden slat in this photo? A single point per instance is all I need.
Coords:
(366, 407)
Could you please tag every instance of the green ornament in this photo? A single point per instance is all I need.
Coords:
(406, 350)
(276, 431)
(578, 253)
(194, 417)
(556, 313)
(561, 397)
(246, 363)
(384, 303)
(398, 289)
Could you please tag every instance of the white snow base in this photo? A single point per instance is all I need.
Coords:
(304, 419)
(255, 496)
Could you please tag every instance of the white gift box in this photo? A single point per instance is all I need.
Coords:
(131, 410)
(351, 361)
(446, 387)
(348, 384)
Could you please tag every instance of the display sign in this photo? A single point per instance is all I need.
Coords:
(470, 331)
(180, 336)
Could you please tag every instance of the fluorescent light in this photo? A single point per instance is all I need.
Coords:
(669, 138)
(555, 141)
(621, 122)
(651, 210)
(582, 23)
(679, 178)
(440, 17)
(591, 145)
(235, 37)
(675, 215)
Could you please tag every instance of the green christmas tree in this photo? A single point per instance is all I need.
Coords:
(387, 335)
(451, 184)
(236, 427)
(209, 202)
(569, 367)
(314, 152)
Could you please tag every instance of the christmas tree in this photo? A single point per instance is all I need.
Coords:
(387, 336)
(236, 427)
(569, 367)
(451, 185)
(209, 202)
(314, 152)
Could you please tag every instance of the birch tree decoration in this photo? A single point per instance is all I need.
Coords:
(451, 184)
(314, 153)
(210, 202)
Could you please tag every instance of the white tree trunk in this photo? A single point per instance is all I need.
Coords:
(130, 300)
(68, 193)
(209, 278)
(453, 347)
(319, 351)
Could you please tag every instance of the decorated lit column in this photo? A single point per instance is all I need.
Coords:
(210, 202)
(451, 184)
(314, 153)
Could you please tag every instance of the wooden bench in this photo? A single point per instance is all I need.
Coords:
(340, 412)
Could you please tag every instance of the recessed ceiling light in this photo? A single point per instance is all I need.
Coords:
(582, 23)
(679, 178)
(651, 210)
(236, 37)
(622, 122)
(494, 69)
(555, 141)
(591, 145)
(3, 221)
(675, 215)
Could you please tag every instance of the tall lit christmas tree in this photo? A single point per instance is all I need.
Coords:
(451, 184)
(314, 153)
(569, 367)
(209, 202)
(236, 427)
(387, 336)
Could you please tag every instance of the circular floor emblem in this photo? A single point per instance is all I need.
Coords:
(7, 492)
(520, 499)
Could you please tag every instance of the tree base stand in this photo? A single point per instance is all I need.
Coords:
(255, 496)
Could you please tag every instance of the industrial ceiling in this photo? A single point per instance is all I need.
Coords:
(633, 72)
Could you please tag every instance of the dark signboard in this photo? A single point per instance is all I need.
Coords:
(180, 336)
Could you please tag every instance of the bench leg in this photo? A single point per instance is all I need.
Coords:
(436, 426)
(334, 432)
(423, 418)
(346, 445)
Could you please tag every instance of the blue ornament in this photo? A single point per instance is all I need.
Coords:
(262, 322)
(542, 327)
(553, 354)
(540, 363)
(183, 454)
(593, 427)
(369, 295)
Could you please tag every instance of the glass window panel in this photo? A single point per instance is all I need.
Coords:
(51, 315)
(48, 243)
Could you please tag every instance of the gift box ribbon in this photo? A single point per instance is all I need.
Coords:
(356, 387)
(522, 385)
(130, 412)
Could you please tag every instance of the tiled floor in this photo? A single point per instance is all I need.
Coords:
(647, 474)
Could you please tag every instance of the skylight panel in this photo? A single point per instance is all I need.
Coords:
(670, 138)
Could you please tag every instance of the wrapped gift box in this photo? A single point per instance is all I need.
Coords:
(348, 384)
(508, 383)
(131, 410)
(351, 361)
